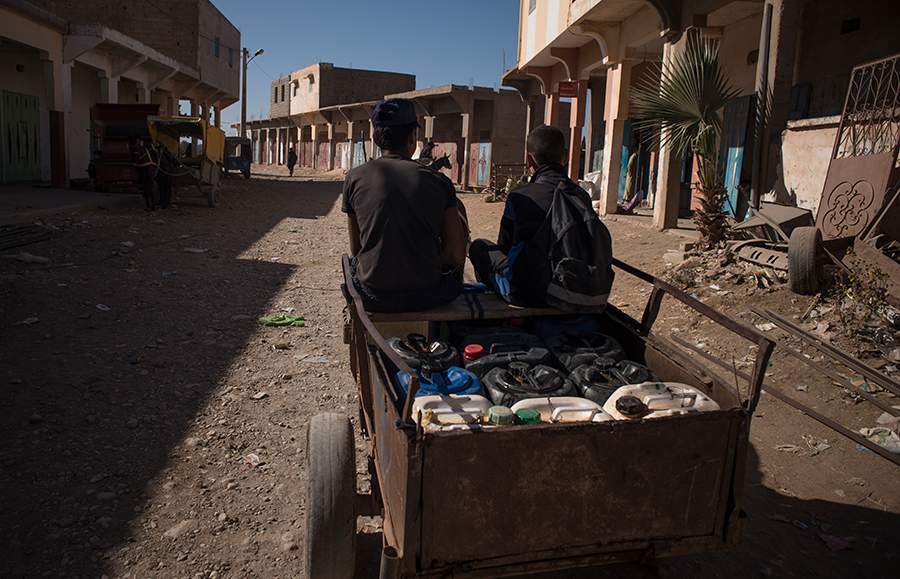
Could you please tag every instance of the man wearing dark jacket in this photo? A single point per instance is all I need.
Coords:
(525, 211)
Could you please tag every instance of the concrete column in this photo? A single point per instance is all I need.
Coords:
(429, 127)
(786, 22)
(195, 112)
(58, 85)
(467, 130)
(109, 88)
(597, 88)
(618, 82)
(278, 145)
(217, 116)
(668, 177)
(143, 93)
(331, 145)
(314, 137)
(551, 113)
(576, 122)
(350, 125)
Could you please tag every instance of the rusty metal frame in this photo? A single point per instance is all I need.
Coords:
(864, 155)
(872, 374)
(749, 333)
(777, 393)
(397, 440)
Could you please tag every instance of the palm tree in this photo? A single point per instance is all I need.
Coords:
(686, 104)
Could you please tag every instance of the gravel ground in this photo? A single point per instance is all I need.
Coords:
(151, 427)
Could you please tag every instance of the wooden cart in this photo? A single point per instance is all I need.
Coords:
(532, 498)
(198, 151)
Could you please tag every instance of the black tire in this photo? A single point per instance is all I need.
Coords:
(330, 498)
(805, 269)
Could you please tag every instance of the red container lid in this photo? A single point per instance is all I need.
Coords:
(473, 351)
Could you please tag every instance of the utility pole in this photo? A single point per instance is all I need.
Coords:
(245, 60)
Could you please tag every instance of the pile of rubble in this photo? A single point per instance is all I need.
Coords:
(691, 267)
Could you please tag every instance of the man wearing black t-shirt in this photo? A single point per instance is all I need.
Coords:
(407, 233)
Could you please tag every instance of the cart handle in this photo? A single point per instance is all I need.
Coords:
(749, 333)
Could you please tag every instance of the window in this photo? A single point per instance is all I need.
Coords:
(282, 93)
(216, 47)
(312, 81)
(274, 94)
(532, 5)
(230, 57)
(294, 86)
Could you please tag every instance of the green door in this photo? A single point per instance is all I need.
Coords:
(20, 147)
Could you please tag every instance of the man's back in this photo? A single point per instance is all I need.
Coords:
(399, 206)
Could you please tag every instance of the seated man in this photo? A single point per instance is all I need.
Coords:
(407, 235)
(563, 259)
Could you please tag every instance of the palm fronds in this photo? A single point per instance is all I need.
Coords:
(684, 107)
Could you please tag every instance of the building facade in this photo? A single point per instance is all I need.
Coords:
(60, 57)
(476, 127)
(589, 53)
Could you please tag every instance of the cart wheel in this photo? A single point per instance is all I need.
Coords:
(212, 196)
(805, 270)
(330, 498)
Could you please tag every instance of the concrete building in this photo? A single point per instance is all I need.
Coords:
(589, 53)
(60, 57)
(474, 126)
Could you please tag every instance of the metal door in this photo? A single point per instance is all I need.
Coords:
(20, 147)
(623, 162)
(359, 153)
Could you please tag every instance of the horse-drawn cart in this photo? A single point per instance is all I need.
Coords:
(195, 151)
(521, 499)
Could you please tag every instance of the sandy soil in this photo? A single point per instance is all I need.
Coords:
(137, 382)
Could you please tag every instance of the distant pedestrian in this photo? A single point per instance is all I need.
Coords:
(291, 161)
(427, 153)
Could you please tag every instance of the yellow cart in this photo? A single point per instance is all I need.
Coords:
(190, 151)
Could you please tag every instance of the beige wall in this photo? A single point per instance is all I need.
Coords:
(85, 93)
(805, 155)
(738, 41)
(222, 72)
(307, 97)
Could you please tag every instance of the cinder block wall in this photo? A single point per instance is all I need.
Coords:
(280, 97)
(346, 85)
(169, 26)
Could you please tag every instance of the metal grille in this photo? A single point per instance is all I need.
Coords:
(500, 172)
(870, 124)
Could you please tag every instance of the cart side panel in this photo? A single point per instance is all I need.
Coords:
(537, 489)
(398, 462)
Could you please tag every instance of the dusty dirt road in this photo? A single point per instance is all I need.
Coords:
(136, 382)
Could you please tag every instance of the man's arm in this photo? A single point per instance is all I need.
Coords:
(455, 236)
(353, 231)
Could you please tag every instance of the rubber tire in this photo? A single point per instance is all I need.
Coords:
(330, 498)
(805, 270)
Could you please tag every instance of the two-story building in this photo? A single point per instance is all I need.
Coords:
(60, 57)
(587, 54)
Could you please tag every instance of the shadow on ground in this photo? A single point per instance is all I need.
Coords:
(127, 345)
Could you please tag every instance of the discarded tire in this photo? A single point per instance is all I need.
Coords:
(330, 498)
(519, 381)
(805, 269)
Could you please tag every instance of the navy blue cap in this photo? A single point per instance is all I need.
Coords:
(394, 112)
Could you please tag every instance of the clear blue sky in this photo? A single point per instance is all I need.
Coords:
(458, 41)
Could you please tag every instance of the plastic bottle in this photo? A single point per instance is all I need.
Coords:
(657, 399)
(563, 409)
(454, 412)
(501, 416)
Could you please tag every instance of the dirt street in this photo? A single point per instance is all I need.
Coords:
(152, 428)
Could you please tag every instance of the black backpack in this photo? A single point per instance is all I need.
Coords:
(571, 253)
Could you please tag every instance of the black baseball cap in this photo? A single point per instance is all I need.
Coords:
(394, 112)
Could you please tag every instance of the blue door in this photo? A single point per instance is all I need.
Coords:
(623, 163)
(731, 154)
(359, 154)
